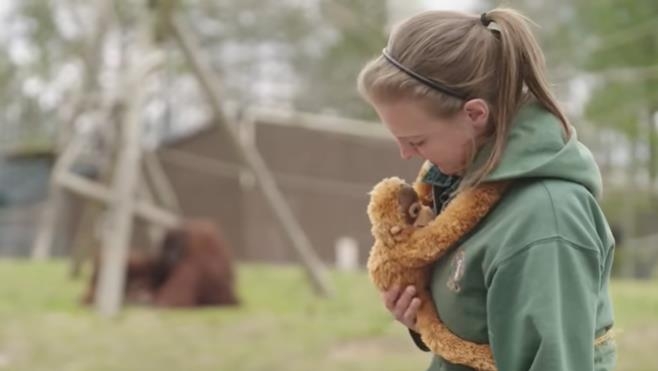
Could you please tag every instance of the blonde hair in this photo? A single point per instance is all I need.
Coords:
(502, 64)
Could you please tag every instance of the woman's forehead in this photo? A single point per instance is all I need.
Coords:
(407, 120)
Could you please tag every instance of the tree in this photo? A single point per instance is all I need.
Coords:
(615, 47)
(626, 40)
(356, 32)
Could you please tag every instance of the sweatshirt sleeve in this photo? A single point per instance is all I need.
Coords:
(541, 307)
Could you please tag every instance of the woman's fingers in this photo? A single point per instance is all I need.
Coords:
(390, 297)
(403, 302)
(409, 318)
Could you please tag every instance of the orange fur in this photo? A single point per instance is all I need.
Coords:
(406, 258)
(424, 190)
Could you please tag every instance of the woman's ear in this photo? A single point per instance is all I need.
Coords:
(477, 111)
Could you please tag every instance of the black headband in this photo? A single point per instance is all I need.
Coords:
(425, 80)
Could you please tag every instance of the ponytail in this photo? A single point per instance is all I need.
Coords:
(521, 66)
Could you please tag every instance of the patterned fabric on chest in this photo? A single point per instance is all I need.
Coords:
(443, 186)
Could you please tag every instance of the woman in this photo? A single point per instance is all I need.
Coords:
(469, 95)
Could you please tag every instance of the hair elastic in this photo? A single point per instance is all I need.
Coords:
(425, 80)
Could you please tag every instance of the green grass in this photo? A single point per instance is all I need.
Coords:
(636, 317)
(280, 326)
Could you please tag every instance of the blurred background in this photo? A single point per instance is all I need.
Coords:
(121, 120)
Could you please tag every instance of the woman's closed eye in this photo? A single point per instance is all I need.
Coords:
(417, 143)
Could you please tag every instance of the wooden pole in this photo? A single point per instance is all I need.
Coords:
(56, 204)
(86, 242)
(47, 230)
(249, 154)
(154, 232)
(144, 209)
(156, 177)
(117, 237)
(109, 294)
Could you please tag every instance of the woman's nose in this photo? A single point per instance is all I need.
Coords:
(406, 152)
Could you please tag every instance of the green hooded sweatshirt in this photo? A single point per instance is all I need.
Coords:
(532, 279)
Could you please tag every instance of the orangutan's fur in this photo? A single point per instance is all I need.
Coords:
(403, 254)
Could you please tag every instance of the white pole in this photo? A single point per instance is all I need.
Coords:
(117, 237)
(347, 254)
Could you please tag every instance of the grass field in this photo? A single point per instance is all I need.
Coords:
(280, 326)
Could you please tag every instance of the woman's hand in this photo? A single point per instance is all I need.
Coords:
(403, 304)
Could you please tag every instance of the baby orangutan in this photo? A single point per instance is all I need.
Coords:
(409, 240)
(414, 212)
